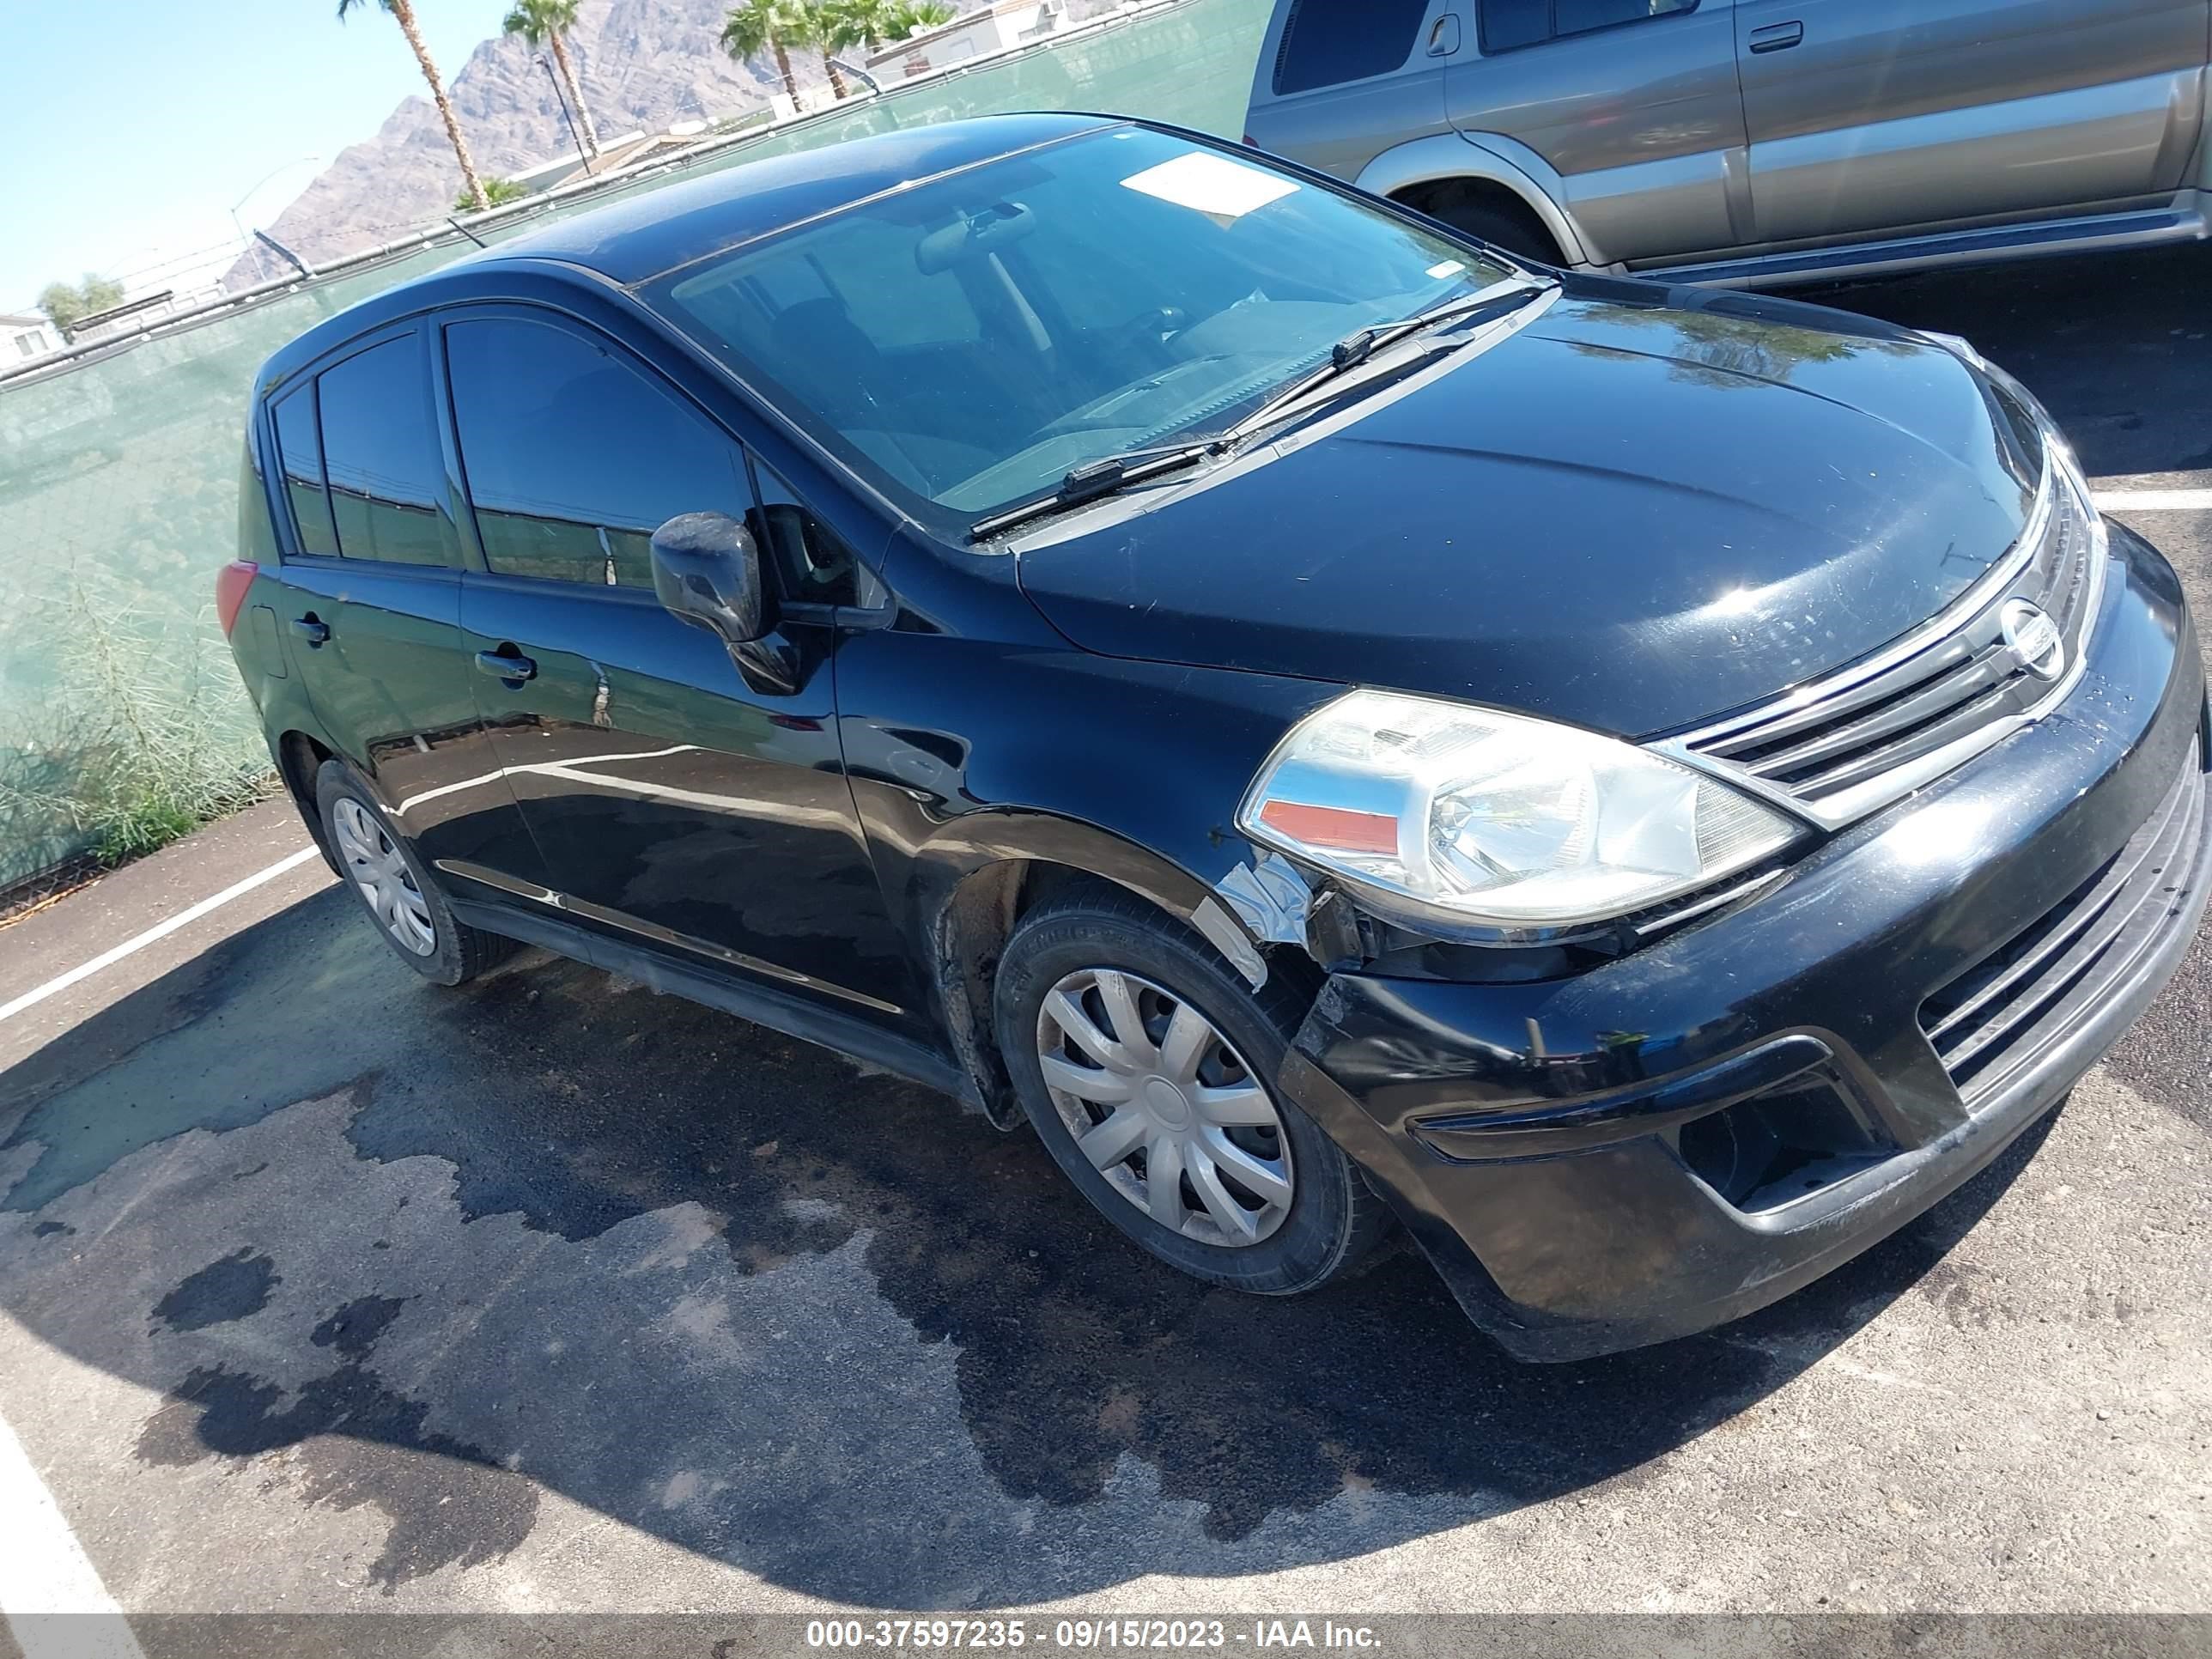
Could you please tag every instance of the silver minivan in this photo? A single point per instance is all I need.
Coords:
(1747, 142)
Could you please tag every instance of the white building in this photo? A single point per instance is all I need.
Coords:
(971, 34)
(26, 339)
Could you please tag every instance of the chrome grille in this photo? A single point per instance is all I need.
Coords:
(1871, 734)
(2007, 1009)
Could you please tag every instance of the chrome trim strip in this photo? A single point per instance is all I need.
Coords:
(1940, 627)
(629, 924)
(1674, 919)
(1846, 807)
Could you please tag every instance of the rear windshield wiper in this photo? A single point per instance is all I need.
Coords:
(1355, 349)
(1095, 480)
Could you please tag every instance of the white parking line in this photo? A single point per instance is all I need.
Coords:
(159, 930)
(56, 1606)
(2154, 501)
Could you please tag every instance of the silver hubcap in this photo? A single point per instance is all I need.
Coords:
(383, 876)
(1164, 1107)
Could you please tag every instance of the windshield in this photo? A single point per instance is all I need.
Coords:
(970, 342)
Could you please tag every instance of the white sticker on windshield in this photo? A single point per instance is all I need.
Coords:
(1450, 268)
(1213, 184)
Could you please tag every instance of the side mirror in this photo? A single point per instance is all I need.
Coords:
(706, 570)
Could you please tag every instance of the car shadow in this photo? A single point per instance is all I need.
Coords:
(564, 1235)
(2116, 347)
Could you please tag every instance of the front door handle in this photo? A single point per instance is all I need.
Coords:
(506, 666)
(1777, 37)
(311, 628)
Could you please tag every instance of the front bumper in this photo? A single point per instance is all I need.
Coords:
(1677, 1138)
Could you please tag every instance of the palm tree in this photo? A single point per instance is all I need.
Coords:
(811, 26)
(876, 24)
(544, 23)
(402, 13)
(755, 24)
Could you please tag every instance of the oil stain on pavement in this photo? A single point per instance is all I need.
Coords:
(232, 1288)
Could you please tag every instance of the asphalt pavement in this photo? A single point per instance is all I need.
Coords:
(324, 1290)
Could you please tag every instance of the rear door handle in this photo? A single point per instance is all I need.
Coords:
(502, 667)
(310, 629)
(1777, 37)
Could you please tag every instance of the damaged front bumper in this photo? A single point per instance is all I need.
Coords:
(1679, 1137)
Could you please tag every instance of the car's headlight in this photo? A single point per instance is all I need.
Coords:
(1440, 811)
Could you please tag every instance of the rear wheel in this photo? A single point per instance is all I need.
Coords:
(1148, 1070)
(401, 899)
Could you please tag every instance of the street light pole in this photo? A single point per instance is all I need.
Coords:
(561, 98)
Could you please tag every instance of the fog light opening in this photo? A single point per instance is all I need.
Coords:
(1777, 1149)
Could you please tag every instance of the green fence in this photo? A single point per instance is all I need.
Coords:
(118, 476)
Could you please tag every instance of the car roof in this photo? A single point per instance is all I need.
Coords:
(657, 230)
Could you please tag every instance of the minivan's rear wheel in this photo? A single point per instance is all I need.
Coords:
(405, 904)
(1148, 1069)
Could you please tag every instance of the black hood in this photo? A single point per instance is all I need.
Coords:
(1644, 508)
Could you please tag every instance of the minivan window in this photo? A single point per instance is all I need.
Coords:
(380, 451)
(1268, 271)
(1327, 43)
(573, 458)
(1507, 24)
(299, 450)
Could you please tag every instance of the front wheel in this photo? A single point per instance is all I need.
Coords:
(1148, 1070)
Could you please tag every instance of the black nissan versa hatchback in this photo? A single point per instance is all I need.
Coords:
(1340, 730)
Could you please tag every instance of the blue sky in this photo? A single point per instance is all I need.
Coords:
(132, 126)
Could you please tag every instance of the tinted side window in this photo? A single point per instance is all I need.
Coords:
(1327, 42)
(573, 458)
(300, 447)
(1510, 23)
(381, 452)
(1580, 16)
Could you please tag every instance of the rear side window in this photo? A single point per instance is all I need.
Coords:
(380, 453)
(1507, 24)
(300, 450)
(1327, 43)
(574, 457)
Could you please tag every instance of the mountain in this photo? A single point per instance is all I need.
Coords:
(644, 65)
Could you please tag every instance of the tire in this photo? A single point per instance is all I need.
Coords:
(424, 933)
(1329, 1221)
(1523, 237)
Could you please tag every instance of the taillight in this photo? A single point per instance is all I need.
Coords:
(232, 583)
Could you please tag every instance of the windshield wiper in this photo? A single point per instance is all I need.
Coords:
(1355, 349)
(1095, 480)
